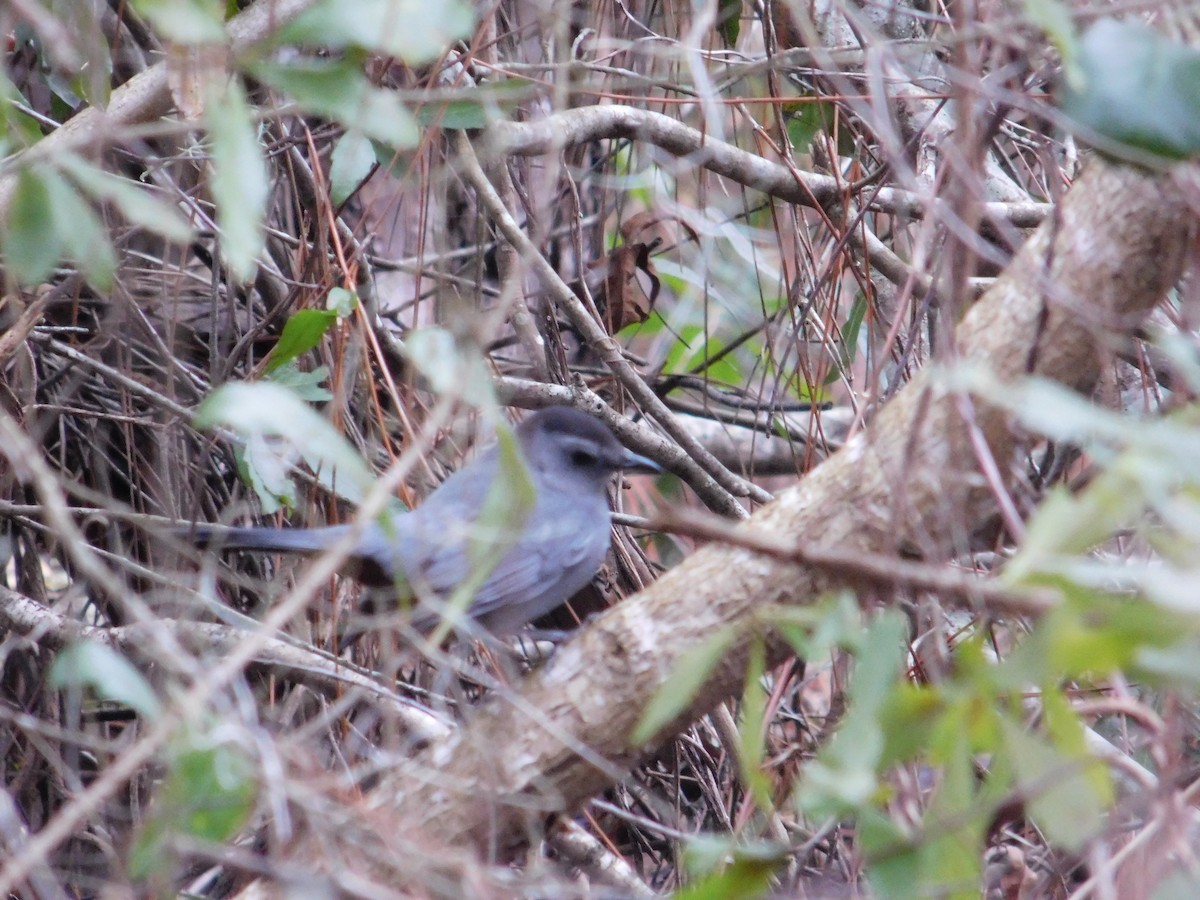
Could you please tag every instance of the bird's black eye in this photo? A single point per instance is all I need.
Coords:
(584, 459)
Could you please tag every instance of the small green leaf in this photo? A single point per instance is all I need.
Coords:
(411, 30)
(894, 862)
(853, 325)
(337, 89)
(109, 674)
(1058, 788)
(752, 730)
(33, 245)
(844, 775)
(85, 235)
(18, 129)
(690, 674)
(352, 160)
(730, 868)
(239, 180)
(456, 115)
(729, 20)
(810, 116)
(185, 21)
(266, 467)
(208, 795)
(305, 385)
(956, 825)
(136, 203)
(302, 331)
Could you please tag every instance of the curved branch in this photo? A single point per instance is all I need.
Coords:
(597, 123)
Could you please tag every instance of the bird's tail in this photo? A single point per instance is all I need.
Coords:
(295, 540)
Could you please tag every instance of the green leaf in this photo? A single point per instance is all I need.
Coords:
(690, 674)
(84, 235)
(208, 795)
(239, 181)
(109, 674)
(302, 331)
(844, 775)
(136, 203)
(305, 385)
(729, 20)
(266, 467)
(1150, 101)
(352, 160)
(810, 116)
(462, 114)
(185, 21)
(270, 410)
(32, 243)
(894, 862)
(957, 824)
(731, 868)
(1066, 524)
(411, 30)
(751, 733)
(853, 326)
(1058, 788)
(18, 130)
(337, 89)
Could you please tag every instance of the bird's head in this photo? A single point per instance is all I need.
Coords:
(572, 446)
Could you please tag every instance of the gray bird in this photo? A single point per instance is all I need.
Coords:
(562, 543)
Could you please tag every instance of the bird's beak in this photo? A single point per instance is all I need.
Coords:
(633, 462)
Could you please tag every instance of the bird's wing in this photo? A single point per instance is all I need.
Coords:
(547, 564)
(541, 571)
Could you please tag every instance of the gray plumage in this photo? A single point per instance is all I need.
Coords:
(570, 457)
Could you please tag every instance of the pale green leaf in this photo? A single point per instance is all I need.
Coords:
(352, 160)
(689, 675)
(271, 410)
(239, 180)
(83, 233)
(337, 89)
(107, 673)
(411, 30)
(1058, 790)
(305, 385)
(32, 244)
(452, 368)
(1150, 101)
(341, 302)
(185, 21)
(136, 203)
